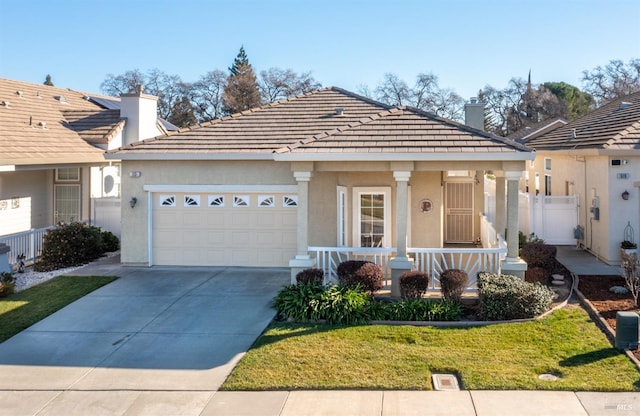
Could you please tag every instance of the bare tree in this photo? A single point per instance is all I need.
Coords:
(126, 83)
(615, 80)
(393, 91)
(206, 95)
(278, 84)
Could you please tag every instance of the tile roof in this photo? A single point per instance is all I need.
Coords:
(314, 123)
(405, 130)
(40, 124)
(538, 129)
(613, 126)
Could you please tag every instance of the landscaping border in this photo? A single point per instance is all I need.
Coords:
(600, 321)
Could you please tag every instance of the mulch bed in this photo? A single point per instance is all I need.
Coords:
(607, 303)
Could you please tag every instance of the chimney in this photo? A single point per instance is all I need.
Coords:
(474, 114)
(141, 113)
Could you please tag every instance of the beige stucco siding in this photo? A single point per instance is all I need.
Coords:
(36, 185)
(623, 212)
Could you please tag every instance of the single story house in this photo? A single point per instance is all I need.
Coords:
(308, 180)
(52, 164)
(597, 158)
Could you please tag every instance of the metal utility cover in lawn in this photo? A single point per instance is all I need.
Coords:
(445, 382)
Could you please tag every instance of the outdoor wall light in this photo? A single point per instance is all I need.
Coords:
(133, 201)
(625, 195)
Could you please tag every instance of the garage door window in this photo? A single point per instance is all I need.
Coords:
(240, 201)
(290, 201)
(167, 200)
(192, 200)
(216, 201)
(266, 201)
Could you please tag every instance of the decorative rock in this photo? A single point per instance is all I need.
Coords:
(557, 282)
(619, 290)
(557, 276)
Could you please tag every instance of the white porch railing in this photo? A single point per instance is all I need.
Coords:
(28, 243)
(431, 260)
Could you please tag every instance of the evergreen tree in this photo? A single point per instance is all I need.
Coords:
(241, 92)
(577, 103)
(182, 113)
(48, 81)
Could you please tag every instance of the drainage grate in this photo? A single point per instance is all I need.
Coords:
(445, 382)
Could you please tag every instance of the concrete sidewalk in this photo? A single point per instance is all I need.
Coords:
(160, 341)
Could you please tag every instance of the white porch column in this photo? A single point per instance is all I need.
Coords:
(402, 197)
(401, 262)
(302, 260)
(501, 204)
(513, 264)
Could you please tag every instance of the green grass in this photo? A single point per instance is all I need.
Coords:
(504, 356)
(23, 309)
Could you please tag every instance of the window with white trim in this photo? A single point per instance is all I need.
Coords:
(192, 200)
(240, 201)
(342, 216)
(68, 175)
(216, 201)
(167, 200)
(266, 201)
(372, 222)
(289, 201)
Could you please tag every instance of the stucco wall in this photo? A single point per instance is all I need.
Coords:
(621, 212)
(36, 185)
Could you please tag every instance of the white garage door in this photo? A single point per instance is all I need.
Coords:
(224, 229)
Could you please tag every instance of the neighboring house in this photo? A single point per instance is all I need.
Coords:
(322, 173)
(52, 144)
(597, 158)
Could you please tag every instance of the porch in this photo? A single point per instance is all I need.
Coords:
(487, 257)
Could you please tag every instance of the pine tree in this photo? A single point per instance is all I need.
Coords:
(241, 92)
(48, 81)
(182, 113)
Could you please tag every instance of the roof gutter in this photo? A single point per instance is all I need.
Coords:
(188, 156)
(436, 157)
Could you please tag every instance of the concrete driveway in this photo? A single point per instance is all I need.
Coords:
(160, 328)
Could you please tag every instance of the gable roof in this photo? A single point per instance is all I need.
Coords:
(529, 132)
(615, 127)
(325, 122)
(43, 125)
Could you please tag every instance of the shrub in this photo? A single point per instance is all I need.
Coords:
(504, 297)
(413, 284)
(341, 305)
(418, 310)
(314, 276)
(70, 245)
(453, 282)
(109, 242)
(294, 301)
(539, 255)
(7, 284)
(367, 275)
(537, 275)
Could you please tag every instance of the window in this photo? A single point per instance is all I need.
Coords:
(372, 227)
(290, 201)
(342, 216)
(240, 201)
(458, 173)
(167, 200)
(266, 201)
(547, 163)
(547, 185)
(192, 200)
(67, 203)
(216, 201)
(68, 175)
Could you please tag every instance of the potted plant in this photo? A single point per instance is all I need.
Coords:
(628, 247)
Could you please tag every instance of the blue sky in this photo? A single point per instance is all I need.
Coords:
(346, 43)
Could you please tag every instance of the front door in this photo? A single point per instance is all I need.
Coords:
(459, 212)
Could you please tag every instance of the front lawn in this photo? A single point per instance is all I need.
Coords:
(23, 309)
(502, 356)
